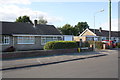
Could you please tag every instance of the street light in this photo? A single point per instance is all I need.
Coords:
(109, 21)
(94, 24)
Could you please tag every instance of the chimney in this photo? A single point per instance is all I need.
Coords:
(35, 23)
(100, 29)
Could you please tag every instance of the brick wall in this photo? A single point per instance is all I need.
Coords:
(39, 53)
(25, 54)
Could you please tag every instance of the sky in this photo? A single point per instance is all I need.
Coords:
(59, 13)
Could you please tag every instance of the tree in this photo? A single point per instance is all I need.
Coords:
(42, 20)
(67, 29)
(75, 31)
(81, 26)
(24, 19)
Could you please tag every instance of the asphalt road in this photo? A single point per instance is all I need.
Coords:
(98, 67)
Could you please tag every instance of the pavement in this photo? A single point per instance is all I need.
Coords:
(40, 61)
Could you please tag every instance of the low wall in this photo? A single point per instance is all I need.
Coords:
(35, 53)
(38, 53)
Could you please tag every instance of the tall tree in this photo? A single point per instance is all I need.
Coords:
(81, 26)
(75, 31)
(67, 29)
(42, 20)
(25, 19)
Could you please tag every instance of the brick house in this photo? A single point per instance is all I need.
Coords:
(99, 35)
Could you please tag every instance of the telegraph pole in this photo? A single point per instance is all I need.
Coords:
(109, 20)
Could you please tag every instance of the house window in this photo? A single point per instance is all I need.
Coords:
(44, 40)
(4, 40)
(89, 38)
(25, 40)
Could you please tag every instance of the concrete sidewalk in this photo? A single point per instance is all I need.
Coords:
(29, 62)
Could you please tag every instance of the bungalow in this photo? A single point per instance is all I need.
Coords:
(97, 35)
(26, 36)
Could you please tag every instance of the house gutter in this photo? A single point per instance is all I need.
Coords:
(34, 35)
(42, 35)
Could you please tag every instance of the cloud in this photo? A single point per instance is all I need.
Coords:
(6, 2)
(114, 25)
(9, 11)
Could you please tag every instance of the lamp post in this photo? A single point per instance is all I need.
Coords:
(109, 21)
(94, 24)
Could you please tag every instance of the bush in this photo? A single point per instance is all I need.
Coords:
(91, 42)
(60, 45)
(98, 44)
(118, 45)
(85, 44)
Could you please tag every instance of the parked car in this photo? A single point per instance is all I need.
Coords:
(112, 43)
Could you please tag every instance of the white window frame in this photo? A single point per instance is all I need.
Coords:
(89, 38)
(54, 38)
(25, 40)
(43, 43)
(5, 40)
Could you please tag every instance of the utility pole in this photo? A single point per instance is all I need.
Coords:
(109, 20)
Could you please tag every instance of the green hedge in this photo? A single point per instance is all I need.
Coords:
(60, 45)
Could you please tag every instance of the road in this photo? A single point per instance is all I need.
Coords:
(99, 67)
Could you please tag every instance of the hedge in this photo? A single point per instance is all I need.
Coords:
(60, 45)
(98, 44)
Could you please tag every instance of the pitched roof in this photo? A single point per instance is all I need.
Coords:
(105, 33)
(46, 30)
(9, 28)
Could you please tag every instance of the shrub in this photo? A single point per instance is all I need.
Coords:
(85, 44)
(91, 42)
(60, 45)
(98, 44)
(118, 45)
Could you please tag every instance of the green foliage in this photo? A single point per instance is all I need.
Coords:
(42, 21)
(98, 44)
(91, 42)
(85, 44)
(118, 45)
(81, 26)
(60, 45)
(67, 29)
(24, 19)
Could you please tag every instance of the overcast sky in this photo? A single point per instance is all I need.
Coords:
(61, 12)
